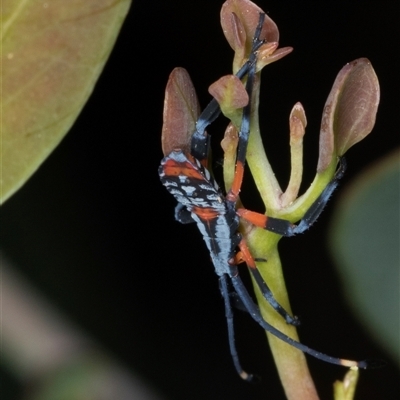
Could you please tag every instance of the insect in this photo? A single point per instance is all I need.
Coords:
(184, 173)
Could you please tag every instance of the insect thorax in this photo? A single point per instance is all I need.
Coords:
(190, 183)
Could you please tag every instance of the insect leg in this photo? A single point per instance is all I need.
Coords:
(286, 228)
(183, 215)
(244, 134)
(265, 290)
(199, 146)
(254, 311)
(231, 332)
(317, 207)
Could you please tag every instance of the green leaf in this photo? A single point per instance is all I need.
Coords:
(365, 238)
(52, 54)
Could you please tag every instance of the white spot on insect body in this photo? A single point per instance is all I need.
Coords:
(207, 187)
(178, 156)
(175, 192)
(170, 183)
(189, 190)
(214, 197)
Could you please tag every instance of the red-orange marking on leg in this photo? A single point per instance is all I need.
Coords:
(255, 218)
(204, 162)
(238, 259)
(237, 183)
(246, 256)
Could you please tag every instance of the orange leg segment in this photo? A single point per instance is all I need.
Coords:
(245, 255)
(255, 218)
(237, 183)
(276, 225)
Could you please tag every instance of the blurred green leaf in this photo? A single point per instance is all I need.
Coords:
(366, 246)
(52, 54)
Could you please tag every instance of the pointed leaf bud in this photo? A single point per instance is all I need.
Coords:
(268, 54)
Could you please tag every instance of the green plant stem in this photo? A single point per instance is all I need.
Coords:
(291, 362)
(263, 175)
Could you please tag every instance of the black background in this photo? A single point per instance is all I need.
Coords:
(94, 228)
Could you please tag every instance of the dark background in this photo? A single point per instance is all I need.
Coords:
(94, 228)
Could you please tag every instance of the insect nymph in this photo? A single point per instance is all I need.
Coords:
(184, 173)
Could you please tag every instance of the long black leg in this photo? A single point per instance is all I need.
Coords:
(318, 206)
(212, 111)
(254, 311)
(286, 228)
(233, 194)
(245, 127)
(223, 285)
(266, 292)
(199, 146)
